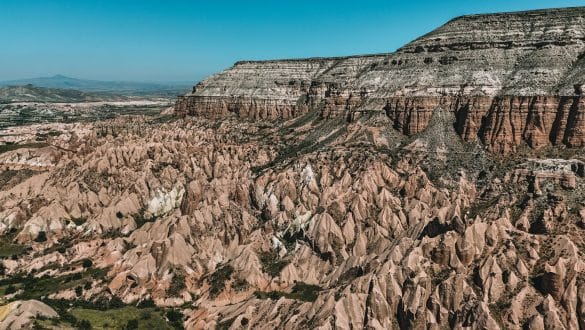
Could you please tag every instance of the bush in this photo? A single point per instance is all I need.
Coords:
(225, 325)
(271, 264)
(131, 325)
(10, 289)
(84, 324)
(146, 303)
(41, 237)
(87, 263)
(300, 291)
(175, 318)
(177, 285)
(218, 278)
(240, 284)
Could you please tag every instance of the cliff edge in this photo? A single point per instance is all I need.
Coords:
(509, 78)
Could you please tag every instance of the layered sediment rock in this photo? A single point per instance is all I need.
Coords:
(509, 78)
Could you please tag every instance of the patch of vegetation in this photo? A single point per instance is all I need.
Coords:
(8, 248)
(225, 325)
(498, 310)
(11, 147)
(175, 318)
(272, 264)
(10, 290)
(41, 237)
(300, 291)
(140, 218)
(128, 317)
(441, 276)
(107, 313)
(164, 119)
(351, 274)
(86, 263)
(240, 284)
(131, 325)
(146, 303)
(10, 178)
(479, 207)
(44, 136)
(309, 117)
(79, 221)
(177, 285)
(38, 287)
(218, 278)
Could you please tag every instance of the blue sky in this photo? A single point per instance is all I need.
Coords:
(156, 40)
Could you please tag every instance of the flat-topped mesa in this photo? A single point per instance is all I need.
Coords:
(266, 89)
(508, 78)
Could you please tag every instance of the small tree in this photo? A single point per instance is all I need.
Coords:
(84, 325)
(175, 318)
(131, 325)
(41, 237)
(86, 263)
(10, 290)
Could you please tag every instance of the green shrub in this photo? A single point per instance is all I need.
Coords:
(218, 278)
(41, 237)
(300, 291)
(175, 318)
(83, 325)
(146, 303)
(225, 325)
(272, 264)
(177, 285)
(86, 263)
(10, 289)
(131, 325)
(240, 284)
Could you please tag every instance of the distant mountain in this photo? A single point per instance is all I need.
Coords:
(121, 87)
(30, 93)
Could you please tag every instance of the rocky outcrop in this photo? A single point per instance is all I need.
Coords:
(21, 314)
(509, 78)
(260, 90)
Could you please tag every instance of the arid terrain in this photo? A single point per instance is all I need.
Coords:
(440, 186)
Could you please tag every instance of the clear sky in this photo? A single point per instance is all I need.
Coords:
(179, 40)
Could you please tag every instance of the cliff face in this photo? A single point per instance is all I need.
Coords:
(500, 122)
(508, 78)
(262, 90)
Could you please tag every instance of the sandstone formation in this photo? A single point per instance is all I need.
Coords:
(509, 78)
(311, 223)
(371, 203)
(20, 314)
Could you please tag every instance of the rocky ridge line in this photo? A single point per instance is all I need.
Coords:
(509, 78)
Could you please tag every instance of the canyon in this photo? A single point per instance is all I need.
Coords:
(439, 186)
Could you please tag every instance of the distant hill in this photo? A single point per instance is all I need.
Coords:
(120, 87)
(30, 93)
